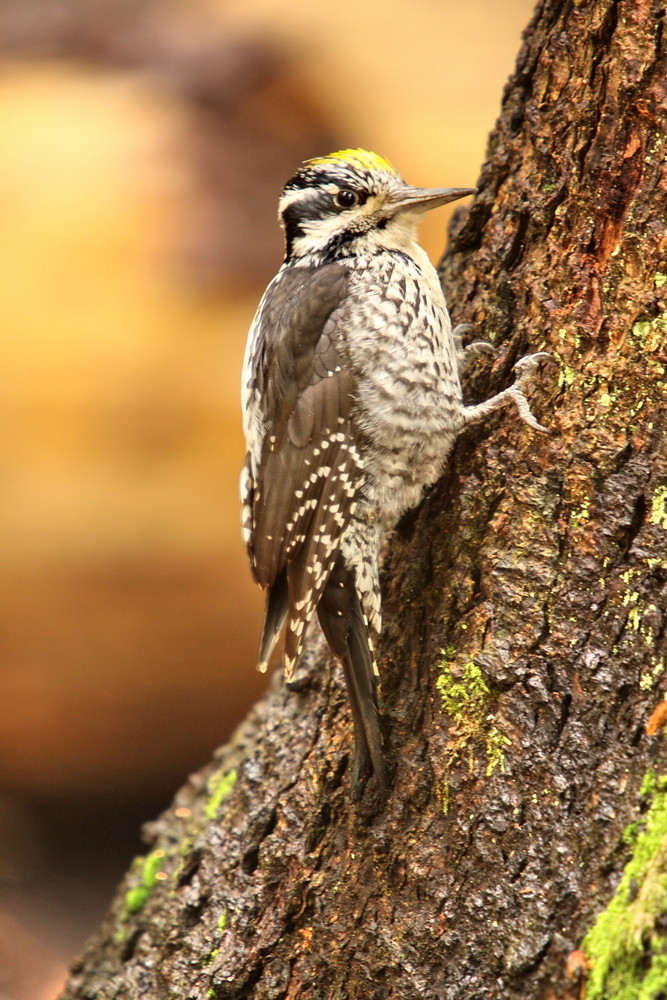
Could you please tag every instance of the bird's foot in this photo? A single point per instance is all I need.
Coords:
(525, 369)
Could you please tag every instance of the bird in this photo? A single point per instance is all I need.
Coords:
(351, 402)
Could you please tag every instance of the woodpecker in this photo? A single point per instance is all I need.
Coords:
(352, 403)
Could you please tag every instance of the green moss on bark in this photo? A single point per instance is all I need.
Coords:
(627, 945)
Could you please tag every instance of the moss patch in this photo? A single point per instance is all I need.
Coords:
(219, 787)
(466, 698)
(148, 870)
(627, 945)
(222, 926)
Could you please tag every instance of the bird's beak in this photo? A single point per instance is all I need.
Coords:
(413, 199)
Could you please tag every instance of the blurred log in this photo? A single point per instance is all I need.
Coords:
(247, 117)
(525, 628)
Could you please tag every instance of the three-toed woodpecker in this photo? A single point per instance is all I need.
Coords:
(352, 402)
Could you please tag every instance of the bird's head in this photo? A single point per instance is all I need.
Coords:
(353, 201)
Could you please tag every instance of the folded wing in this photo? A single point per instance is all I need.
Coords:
(303, 477)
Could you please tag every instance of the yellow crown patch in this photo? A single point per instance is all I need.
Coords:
(362, 159)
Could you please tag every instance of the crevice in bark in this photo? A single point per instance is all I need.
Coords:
(515, 250)
(602, 43)
(189, 869)
(129, 946)
(192, 912)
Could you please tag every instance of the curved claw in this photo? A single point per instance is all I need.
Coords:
(460, 329)
(465, 355)
(532, 361)
(457, 337)
(524, 368)
(523, 406)
(480, 347)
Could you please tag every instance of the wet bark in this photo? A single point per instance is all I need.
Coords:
(524, 603)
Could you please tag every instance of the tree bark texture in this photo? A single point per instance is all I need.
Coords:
(525, 618)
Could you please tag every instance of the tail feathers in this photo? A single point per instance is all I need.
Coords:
(346, 631)
(357, 667)
(307, 575)
(274, 617)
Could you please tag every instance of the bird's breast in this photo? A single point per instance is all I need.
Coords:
(408, 407)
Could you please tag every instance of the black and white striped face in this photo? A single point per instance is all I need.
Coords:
(349, 202)
(332, 201)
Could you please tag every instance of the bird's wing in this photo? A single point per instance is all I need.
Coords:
(302, 482)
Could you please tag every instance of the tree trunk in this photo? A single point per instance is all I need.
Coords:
(524, 644)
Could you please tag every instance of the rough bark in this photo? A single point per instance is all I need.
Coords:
(524, 644)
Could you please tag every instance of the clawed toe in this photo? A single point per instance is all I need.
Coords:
(530, 362)
(479, 347)
(465, 355)
(460, 329)
(523, 406)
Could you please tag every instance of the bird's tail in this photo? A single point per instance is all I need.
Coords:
(274, 617)
(346, 631)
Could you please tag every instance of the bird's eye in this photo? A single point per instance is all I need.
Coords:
(346, 198)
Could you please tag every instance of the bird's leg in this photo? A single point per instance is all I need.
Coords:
(525, 369)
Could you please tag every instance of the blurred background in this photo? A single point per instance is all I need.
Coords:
(143, 144)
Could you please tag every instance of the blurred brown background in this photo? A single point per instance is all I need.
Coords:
(142, 148)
